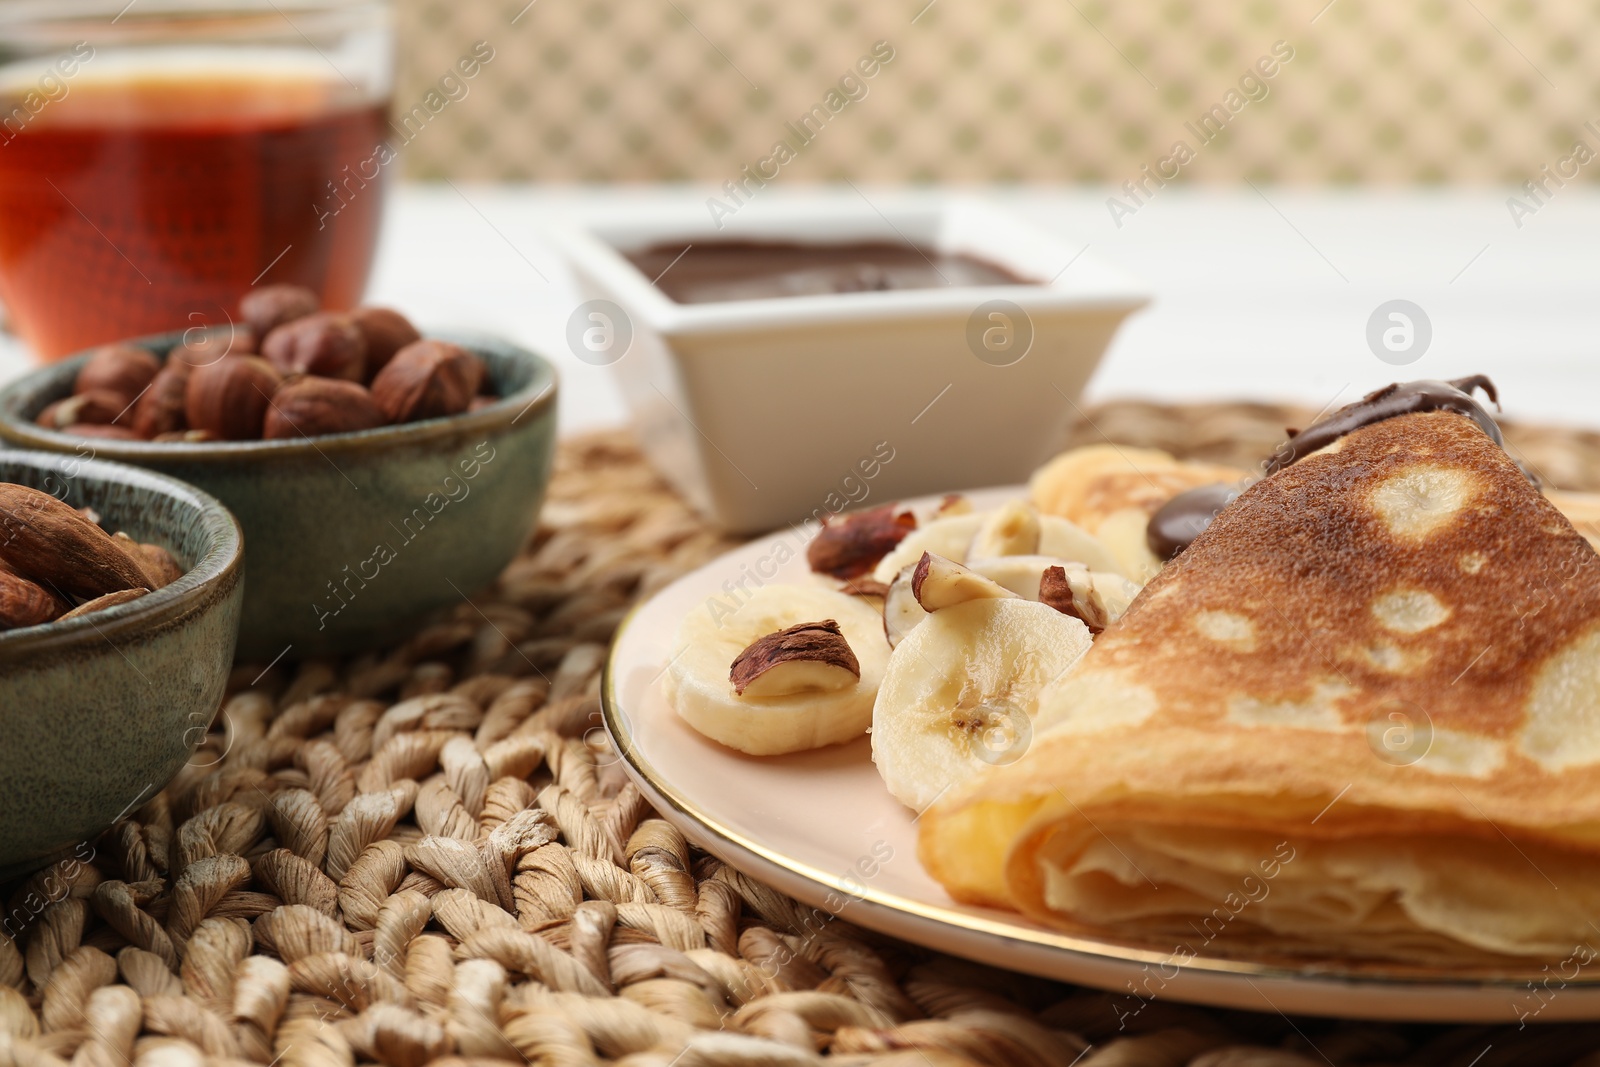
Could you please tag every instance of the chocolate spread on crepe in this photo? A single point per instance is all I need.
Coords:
(1180, 520)
(1356, 719)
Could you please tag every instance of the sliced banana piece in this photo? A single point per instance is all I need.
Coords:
(947, 537)
(901, 609)
(806, 713)
(1012, 529)
(961, 689)
(1063, 539)
(953, 538)
(1022, 575)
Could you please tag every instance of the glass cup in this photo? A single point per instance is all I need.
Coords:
(160, 157)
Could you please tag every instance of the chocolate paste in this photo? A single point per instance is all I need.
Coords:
(1401, 398)
(714, 271)
(1185, 517)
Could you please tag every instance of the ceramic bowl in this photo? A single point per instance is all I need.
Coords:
(353, 539)
(100, 711)
(764, 412)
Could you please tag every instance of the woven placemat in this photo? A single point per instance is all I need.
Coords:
(432, 855)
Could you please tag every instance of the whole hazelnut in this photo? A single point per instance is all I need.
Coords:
(99, 407)
(230, 398)
(386, 332)
(309, 407)
(427, 380)
(122, 370)
(200, 347)
(267, 307)
(327, 344)
(160, 409)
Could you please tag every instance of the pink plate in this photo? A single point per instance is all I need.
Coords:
(821, 827)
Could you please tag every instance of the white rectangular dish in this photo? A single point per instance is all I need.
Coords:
(768, 411)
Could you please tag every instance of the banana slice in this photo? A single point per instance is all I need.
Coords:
(806, 707)
(953, 538)
(947, 537)
(1022, 575)
(960, 692)
(901, 609)
(1012, 529)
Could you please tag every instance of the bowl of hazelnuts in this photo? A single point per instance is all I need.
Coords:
(120, 594)
(380, 476)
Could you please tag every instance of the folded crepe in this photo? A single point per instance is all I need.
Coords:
(1359, 717)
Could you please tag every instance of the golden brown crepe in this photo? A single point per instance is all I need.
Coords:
(1111, 491)
(1359, 717)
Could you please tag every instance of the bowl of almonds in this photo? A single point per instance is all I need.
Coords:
(379, 475)
(120, 596)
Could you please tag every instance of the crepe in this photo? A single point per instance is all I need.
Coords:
(1111, 491)
(1358, 718)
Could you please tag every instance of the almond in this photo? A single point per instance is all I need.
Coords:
(100, 603)
(156, 562)
(53, 546)
(22, 603)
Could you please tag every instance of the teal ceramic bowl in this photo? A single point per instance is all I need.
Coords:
(99, 712)
(354, 539)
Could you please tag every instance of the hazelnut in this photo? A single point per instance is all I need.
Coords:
(121, 370)
(1079, 599)
(230, 398)
(200, 347)
(185, 437)
(812, 655)
(266, 308)
(427, 380)
(160, 410)
(327, 344)
(98, 407)
(310, 407)
(386, 333)
(851, 545)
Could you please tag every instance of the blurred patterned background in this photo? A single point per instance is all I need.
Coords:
(1377, 91)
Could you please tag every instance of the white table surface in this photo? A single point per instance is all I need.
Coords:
(1257, 294)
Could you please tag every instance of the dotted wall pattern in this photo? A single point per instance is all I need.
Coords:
(1360, 91)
